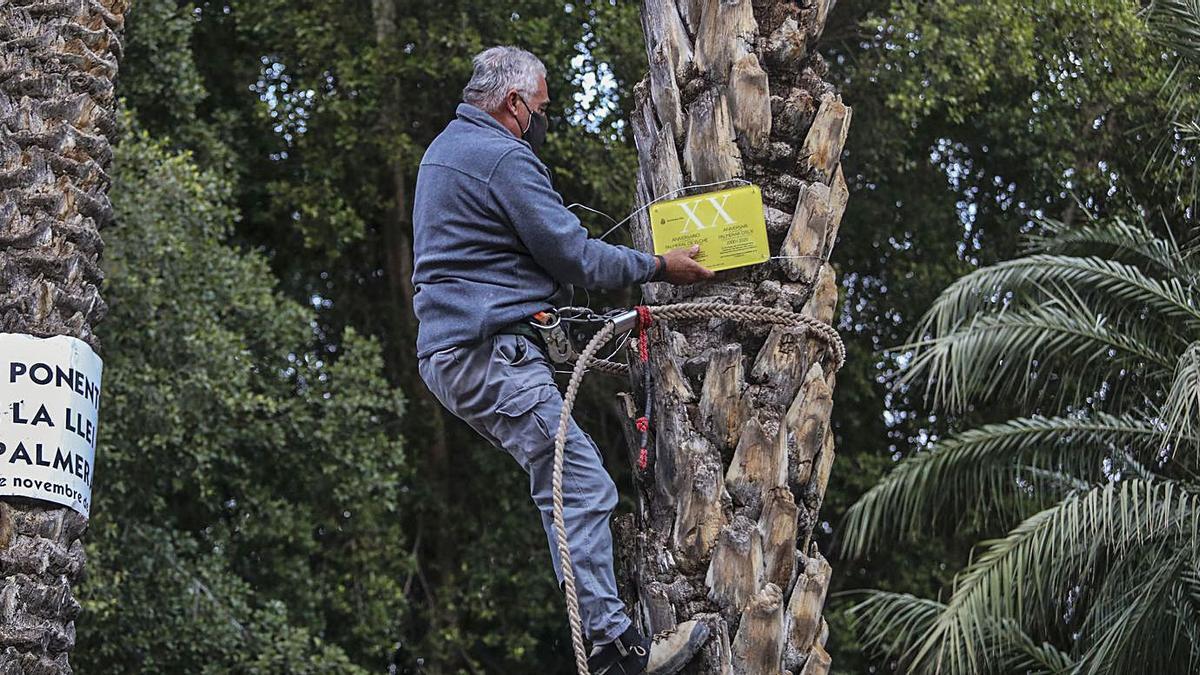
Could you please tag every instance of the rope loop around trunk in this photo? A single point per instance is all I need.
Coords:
(679, 311)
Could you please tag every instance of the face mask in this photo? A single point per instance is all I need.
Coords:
(535, 133)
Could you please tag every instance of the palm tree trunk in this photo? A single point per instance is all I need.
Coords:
(57, 115)
(743, 448)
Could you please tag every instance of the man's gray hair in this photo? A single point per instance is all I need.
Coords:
(500, 70)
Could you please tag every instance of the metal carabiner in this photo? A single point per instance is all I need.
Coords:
(554, 336)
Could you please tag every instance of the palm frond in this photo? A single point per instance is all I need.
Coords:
(1130, 242)
(1187, 633)
(890, 623)
(980, 468)
(1175, 26)
(1177, 148)
(1190, 581)
(1020, 653)
(1120, 628)
(1019, 576)
(1016, 351)
(1118, 286)
(893, 624)
(1180, 411)
(1185, 603)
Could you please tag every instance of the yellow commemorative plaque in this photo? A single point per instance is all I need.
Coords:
(728, 225)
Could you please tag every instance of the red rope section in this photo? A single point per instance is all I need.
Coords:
(643, 422)
(644, 321)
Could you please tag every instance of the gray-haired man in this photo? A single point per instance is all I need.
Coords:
(494, 245)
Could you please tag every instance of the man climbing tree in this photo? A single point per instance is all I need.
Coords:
(493, 247)
(743, 447)
(57, 113)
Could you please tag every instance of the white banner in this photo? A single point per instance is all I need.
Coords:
(49, 406)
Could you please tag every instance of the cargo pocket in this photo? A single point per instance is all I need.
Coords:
(523, 427)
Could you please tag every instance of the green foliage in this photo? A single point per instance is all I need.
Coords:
(160, 602)
(248, 478)
(1175, 27)
(1095, 577)
(352, 114)
(1053, 86)
(1051, 306)
(973, 121)
(160, 82)
(158, 69)
(315, 126)
(987, 465)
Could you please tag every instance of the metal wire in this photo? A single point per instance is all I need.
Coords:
(657, 199)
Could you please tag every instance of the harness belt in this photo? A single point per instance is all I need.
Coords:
(523, 329)
(562, 333)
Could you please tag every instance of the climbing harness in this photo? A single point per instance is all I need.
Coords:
(566, 330)
(640, 319)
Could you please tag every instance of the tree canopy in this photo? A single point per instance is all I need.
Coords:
(266, 500)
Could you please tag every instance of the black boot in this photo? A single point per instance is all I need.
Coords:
(627, 655)
(631, 654)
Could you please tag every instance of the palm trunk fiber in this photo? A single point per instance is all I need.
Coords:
(741, 448)
(56, 118)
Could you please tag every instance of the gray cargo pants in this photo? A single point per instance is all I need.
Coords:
(504, 388)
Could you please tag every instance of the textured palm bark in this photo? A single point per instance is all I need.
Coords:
(742, 449)
(57, 65)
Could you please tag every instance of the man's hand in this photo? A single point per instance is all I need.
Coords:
(681, 268)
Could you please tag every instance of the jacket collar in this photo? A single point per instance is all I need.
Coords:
(479, 117)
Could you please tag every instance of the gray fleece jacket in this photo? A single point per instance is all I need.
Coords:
(492, 241)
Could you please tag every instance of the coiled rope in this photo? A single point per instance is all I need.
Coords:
(586, 360)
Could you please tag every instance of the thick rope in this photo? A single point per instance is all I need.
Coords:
(709, 310)
(608, 367)
(560, 528)
(686, 310)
